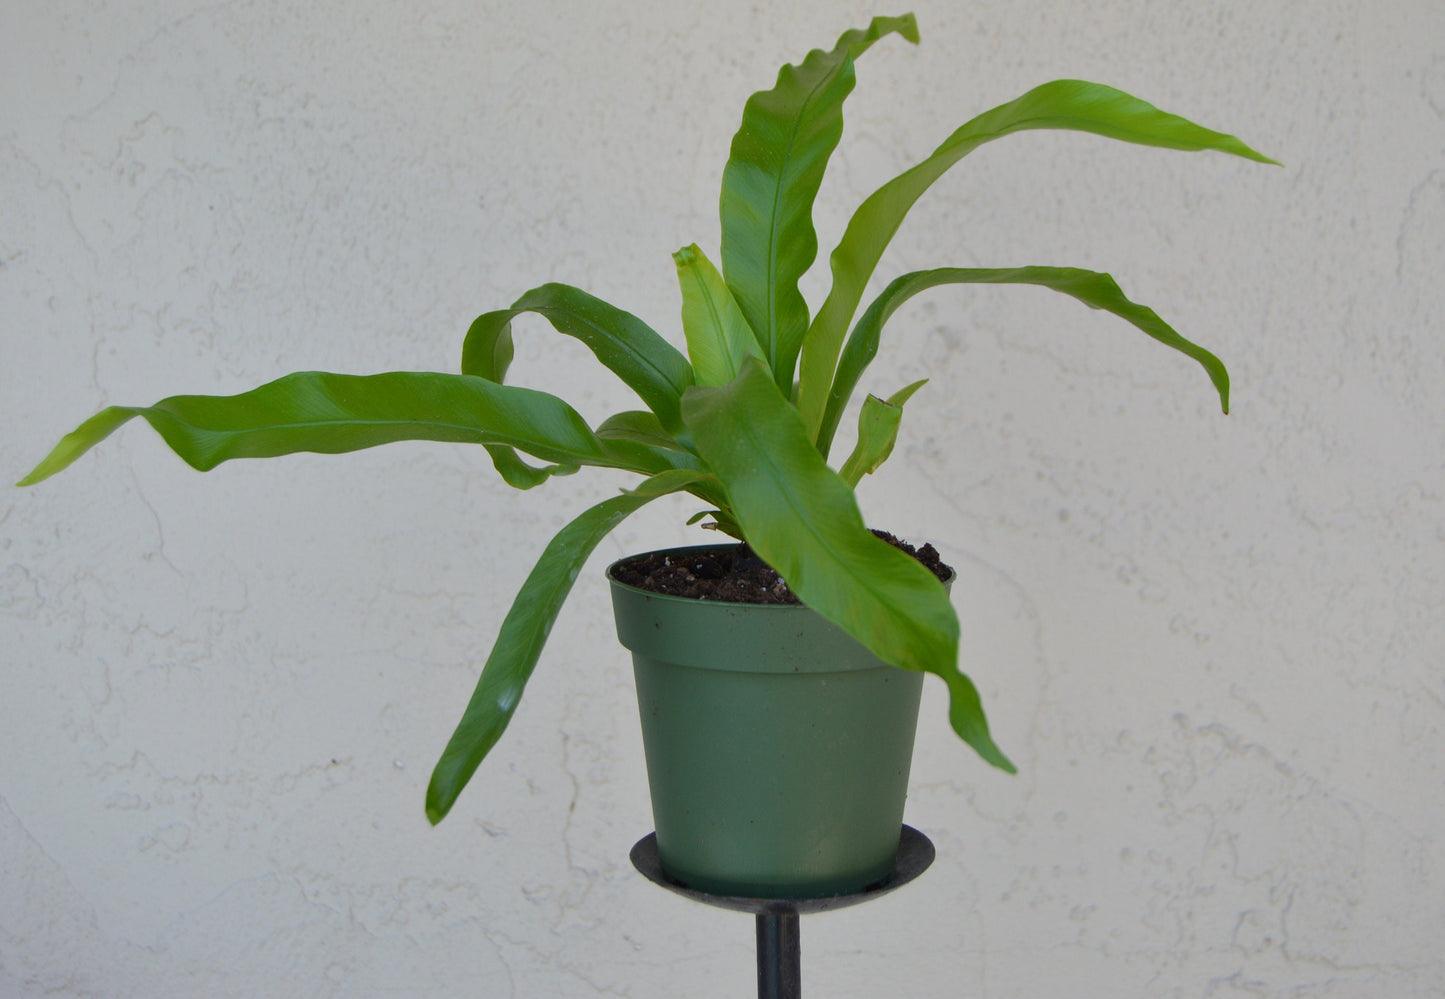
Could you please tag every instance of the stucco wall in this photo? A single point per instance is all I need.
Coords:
(1215, 645)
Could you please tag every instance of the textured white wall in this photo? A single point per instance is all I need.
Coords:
(1215, 646)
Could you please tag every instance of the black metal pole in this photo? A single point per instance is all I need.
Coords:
(780, 973)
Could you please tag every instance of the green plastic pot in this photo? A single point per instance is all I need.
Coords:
(778, 747)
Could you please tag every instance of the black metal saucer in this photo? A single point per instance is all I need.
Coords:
(779, 954)
(915, 854)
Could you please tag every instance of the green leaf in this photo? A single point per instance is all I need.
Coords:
(906, 392)
(777, 161)
(520, 475)
(524, 633)
(640, 426)
(802, 519)
(1063, 104)
(643, 428)
(720, 522)
(77, 442)
(877, 433)
(647, 363)
(330, 414)
(514, 471)
(1094, 289)
(488, 348)
(718, 337)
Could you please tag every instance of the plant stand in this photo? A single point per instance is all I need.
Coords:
(779, 967)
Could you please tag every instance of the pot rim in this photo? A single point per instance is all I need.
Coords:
(692, 601)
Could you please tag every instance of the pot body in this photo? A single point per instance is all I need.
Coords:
(778, 747)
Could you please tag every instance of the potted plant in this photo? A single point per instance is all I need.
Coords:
(745, 422)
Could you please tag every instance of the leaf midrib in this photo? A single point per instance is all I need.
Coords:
(610, 338)
(514, 439)
(722, 342)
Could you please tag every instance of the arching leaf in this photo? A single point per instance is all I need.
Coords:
(627, 346)
(523, 634)
(1095, 289)
(329, 413)
(1063, 104)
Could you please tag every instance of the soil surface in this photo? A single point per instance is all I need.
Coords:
(735, 574)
